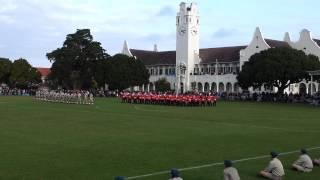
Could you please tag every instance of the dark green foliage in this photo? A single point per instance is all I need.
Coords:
(5, 69)
(162, 85)
(126, 71)
(74, 64)
(278, 67)
(23, 75)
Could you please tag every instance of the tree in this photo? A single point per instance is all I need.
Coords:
(162, 85)
(277, 67)
(74, 64)
(5, 70)
(125, 72)
(23, 75)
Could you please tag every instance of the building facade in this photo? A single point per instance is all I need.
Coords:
(190, 68)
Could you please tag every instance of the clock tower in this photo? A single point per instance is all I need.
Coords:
(187, 45)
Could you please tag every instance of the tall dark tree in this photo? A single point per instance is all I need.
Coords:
(277, 67)
(162, 85)
(5, 70)
(74, 64)
(125, 72)
(23, 75)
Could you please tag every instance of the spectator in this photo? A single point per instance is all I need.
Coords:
(230, 173)
(175, 175)
(304, 163)
(275, 169)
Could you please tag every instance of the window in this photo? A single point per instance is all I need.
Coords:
(160, 71)
(166, 71)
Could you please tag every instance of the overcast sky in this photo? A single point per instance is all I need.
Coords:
(31, 28)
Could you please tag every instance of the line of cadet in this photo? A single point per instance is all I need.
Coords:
(68, 97)
(273, 171)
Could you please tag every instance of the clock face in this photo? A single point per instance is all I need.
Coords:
(182, 30)
(194, 31)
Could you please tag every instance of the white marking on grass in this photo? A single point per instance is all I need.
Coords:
(215, 164)
(147, 110)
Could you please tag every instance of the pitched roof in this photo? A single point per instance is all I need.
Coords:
(276, 43)
(155, 58)
(208, 55)
(222, 54)
(44, 71)
(317, 41)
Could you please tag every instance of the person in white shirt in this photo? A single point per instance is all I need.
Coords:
(304, 163)
(230, 173)
(275, 169)
(175, 175)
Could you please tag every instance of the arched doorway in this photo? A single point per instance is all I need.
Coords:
(302, 88)
(229, 87)
(194, 86)
(206, 87)
(221, 87)
(236, 88)
(151, 87)
(214, 87)
(181, 88)
(145, 88)
(199, 87)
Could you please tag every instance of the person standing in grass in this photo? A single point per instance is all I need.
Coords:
(175, 175)
(275, 169)
(304, 163)
(230, 173)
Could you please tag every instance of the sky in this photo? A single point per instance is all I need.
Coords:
(31, 28)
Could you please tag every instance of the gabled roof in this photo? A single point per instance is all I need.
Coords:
(276, 43)
(155, 58)
(208, 55)
(43, 71)
(317, 41)
(221, 54)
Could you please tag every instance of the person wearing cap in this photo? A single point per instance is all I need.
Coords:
(229, 172)
(275, 169)
(119, 178)
(175, 175)
(304, 163)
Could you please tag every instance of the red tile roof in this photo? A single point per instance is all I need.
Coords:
(43, 71)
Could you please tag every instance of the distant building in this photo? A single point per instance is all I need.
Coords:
(44, 73)
(190, 68)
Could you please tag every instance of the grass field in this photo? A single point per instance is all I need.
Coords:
(40, 141)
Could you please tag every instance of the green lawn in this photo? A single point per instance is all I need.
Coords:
(40, 141)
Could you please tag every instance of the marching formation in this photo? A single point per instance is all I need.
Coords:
(68, 97)
(169, 99)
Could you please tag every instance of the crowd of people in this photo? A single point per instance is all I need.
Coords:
(68, 97)
(6, 91)
(273, 97)
(169, 98)
(273, 171)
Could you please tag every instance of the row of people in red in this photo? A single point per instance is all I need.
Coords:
(169, 99)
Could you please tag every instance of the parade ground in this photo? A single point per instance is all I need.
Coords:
(44, 141)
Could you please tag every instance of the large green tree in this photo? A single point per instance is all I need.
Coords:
(277, 67)
(23, 75)
(125, 72)
(74, 64)
(5, 70)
